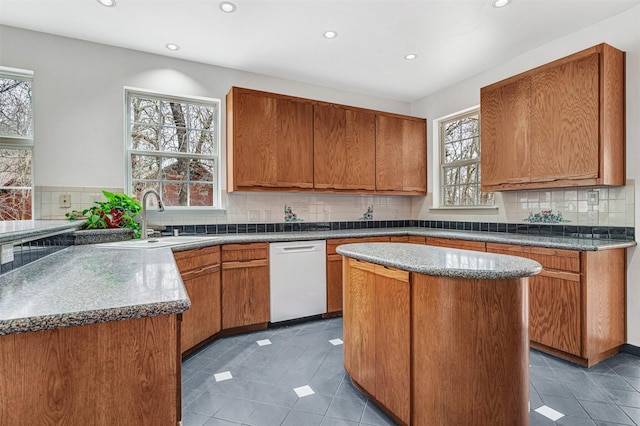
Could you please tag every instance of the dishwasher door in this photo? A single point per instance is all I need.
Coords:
(298, 279)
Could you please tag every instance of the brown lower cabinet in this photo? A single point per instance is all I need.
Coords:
(200, 271)
(577, 303)
(245, 285)
(334, 269)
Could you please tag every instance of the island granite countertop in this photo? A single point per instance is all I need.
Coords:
(443, 262)
(85, 285)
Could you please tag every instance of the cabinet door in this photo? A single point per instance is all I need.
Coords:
(393, 337)
(344, 148)
(294, 144)
(203, 319)
(564, 123)
(245, 293)
(271, 141)
(401, 154)
(334, 283)
(359, 322)
(504, 132)
(254, 140)
(555, 311)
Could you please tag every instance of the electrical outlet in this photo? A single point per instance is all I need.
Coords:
(326, 216)
(65, 201)
(6, 254)
(267, 215)
(254, 215)
(592, 198)
(592, 217)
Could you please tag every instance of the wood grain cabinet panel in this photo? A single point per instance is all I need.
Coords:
(401, 154)
(559, 125)
(577, 303)
(245, 285)
(200, 271)
(334, 270)
(505, 133)
(270, 141)
(344, 148)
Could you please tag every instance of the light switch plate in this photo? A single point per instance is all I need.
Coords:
(592, 198)
(6, 254)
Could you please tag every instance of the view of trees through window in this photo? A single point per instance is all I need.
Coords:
(174, 149)
(460, 163)
(16, 142)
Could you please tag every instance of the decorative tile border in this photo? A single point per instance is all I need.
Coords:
(600, 232)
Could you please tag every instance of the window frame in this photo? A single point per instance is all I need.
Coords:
(129, 151)
(439, 199)
(15, 142)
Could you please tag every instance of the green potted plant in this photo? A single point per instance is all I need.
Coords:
(118, 212)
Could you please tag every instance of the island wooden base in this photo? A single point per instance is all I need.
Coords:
(438, 351)
(117, 373)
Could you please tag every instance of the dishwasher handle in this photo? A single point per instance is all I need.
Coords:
(298, 248)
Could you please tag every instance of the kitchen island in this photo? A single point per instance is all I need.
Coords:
(438, 336)
(91, 336)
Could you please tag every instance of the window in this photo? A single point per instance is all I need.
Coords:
(16, 144)
(173, 146)
(460, 162)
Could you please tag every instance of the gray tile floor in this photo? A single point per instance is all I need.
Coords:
(252, 379)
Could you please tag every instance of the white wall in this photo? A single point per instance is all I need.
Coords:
(622, 32)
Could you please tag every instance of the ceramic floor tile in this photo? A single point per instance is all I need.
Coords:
(225, 375)
(316, 404)
(336, 342)
(606, 412)
(263, 342)
(346, 408)
(300, 418)
(549, 413)
(303, 391)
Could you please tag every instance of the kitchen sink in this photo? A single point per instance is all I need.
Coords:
(158, 242)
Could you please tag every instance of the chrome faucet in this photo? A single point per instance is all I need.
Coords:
(143, 234)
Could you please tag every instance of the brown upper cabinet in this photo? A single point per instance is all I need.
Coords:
(401, 154)
(269, 141)
(283, 143)
(344, 143)
(558, 125)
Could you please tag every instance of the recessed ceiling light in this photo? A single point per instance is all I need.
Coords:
(107, 3)
(227, 7)
(501, 3)
(410, 56)
(172, 46)
(330, 34)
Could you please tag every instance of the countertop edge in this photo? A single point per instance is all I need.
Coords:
(98, 316)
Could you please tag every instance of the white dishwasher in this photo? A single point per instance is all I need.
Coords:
(298, 273)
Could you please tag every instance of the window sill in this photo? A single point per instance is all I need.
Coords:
(465, 209)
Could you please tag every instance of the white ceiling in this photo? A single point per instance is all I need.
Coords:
(454, 39)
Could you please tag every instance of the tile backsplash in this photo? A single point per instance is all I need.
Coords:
(616, 207)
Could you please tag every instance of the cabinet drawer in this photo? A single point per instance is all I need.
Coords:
(556, 259)
(457, 244)
(197, 258)
(243, 252)
(332, 244)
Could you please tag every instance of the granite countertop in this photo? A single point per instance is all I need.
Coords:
(84, 285)
(443, 262)
(16, 230)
